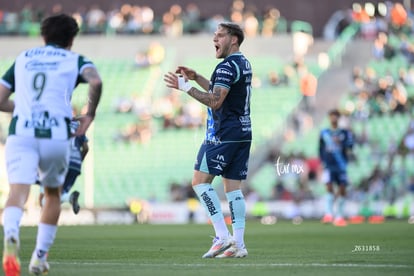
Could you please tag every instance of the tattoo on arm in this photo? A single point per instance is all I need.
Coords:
(213, 100)
(95, 89)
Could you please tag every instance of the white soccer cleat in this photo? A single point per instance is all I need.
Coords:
(218, 247)
(38, 266)
(233, 252)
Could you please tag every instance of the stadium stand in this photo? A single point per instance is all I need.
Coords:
(146, 165)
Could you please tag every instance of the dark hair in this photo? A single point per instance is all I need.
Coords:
(59, 29)
(234, 29)
(335, 112)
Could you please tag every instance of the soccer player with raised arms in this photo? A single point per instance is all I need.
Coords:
(226, 148)
(42, 79)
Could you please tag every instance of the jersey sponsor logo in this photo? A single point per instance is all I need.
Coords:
(36, 65)
(220, 161)
(45, 52)
(233, 220)
(224, 72)
(243, 173)
(245, 72)
(209, 204)
(245, 120)
(220, 157)
(222, 79)
(227, 64)
(44, 123)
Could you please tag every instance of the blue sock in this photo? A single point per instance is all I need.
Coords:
(330, 198)
(237, 206)
(341, 204)
(211, 203)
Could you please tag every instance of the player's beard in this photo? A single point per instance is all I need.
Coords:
(223, 51)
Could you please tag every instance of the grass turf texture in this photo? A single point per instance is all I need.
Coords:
(282, 249)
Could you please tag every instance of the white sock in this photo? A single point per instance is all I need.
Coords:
(11, 221)
(237, 206)
(46, 234)
(238, 235)
(341, 203)
(329, 203)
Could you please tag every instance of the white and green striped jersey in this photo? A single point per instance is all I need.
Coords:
(43, 80)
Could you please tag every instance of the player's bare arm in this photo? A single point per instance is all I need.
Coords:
(84, 150)
(6, 105)
(95, 89)
(213, 100)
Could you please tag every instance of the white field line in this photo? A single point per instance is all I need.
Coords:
(348, 265)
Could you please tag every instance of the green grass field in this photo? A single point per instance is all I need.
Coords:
(280, 249)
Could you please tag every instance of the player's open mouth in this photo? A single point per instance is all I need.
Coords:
(217, 47)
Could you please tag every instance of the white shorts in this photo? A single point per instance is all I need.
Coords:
(29, 159)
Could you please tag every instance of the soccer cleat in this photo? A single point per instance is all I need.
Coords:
(340, 222)
(11, 262)
(38, 266)
(73, 199)
(327, 219)
(233, 252)
(218, 247)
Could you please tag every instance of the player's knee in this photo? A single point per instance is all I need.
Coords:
(329, 187)
(342, 190)
(55, 192)
(18, 195)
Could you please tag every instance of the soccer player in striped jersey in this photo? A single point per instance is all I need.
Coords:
(335, 144)
(42, 79)
(226, 148)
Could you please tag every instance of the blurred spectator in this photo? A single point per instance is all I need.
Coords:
(281, 193)
(251, 24)
(398, 16)
(406, 77)
(147, 17)
(276, 79)
(270, 22)
(172, 24)
(211, 24)
(192, 19)
(382, 49)
(407, 49)
(154, 55)
(95, 20)
(139, 132)
(57, 9)
(308, 87)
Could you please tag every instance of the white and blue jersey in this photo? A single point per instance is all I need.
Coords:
(333, 147)
(226, 148)
(231, 122)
